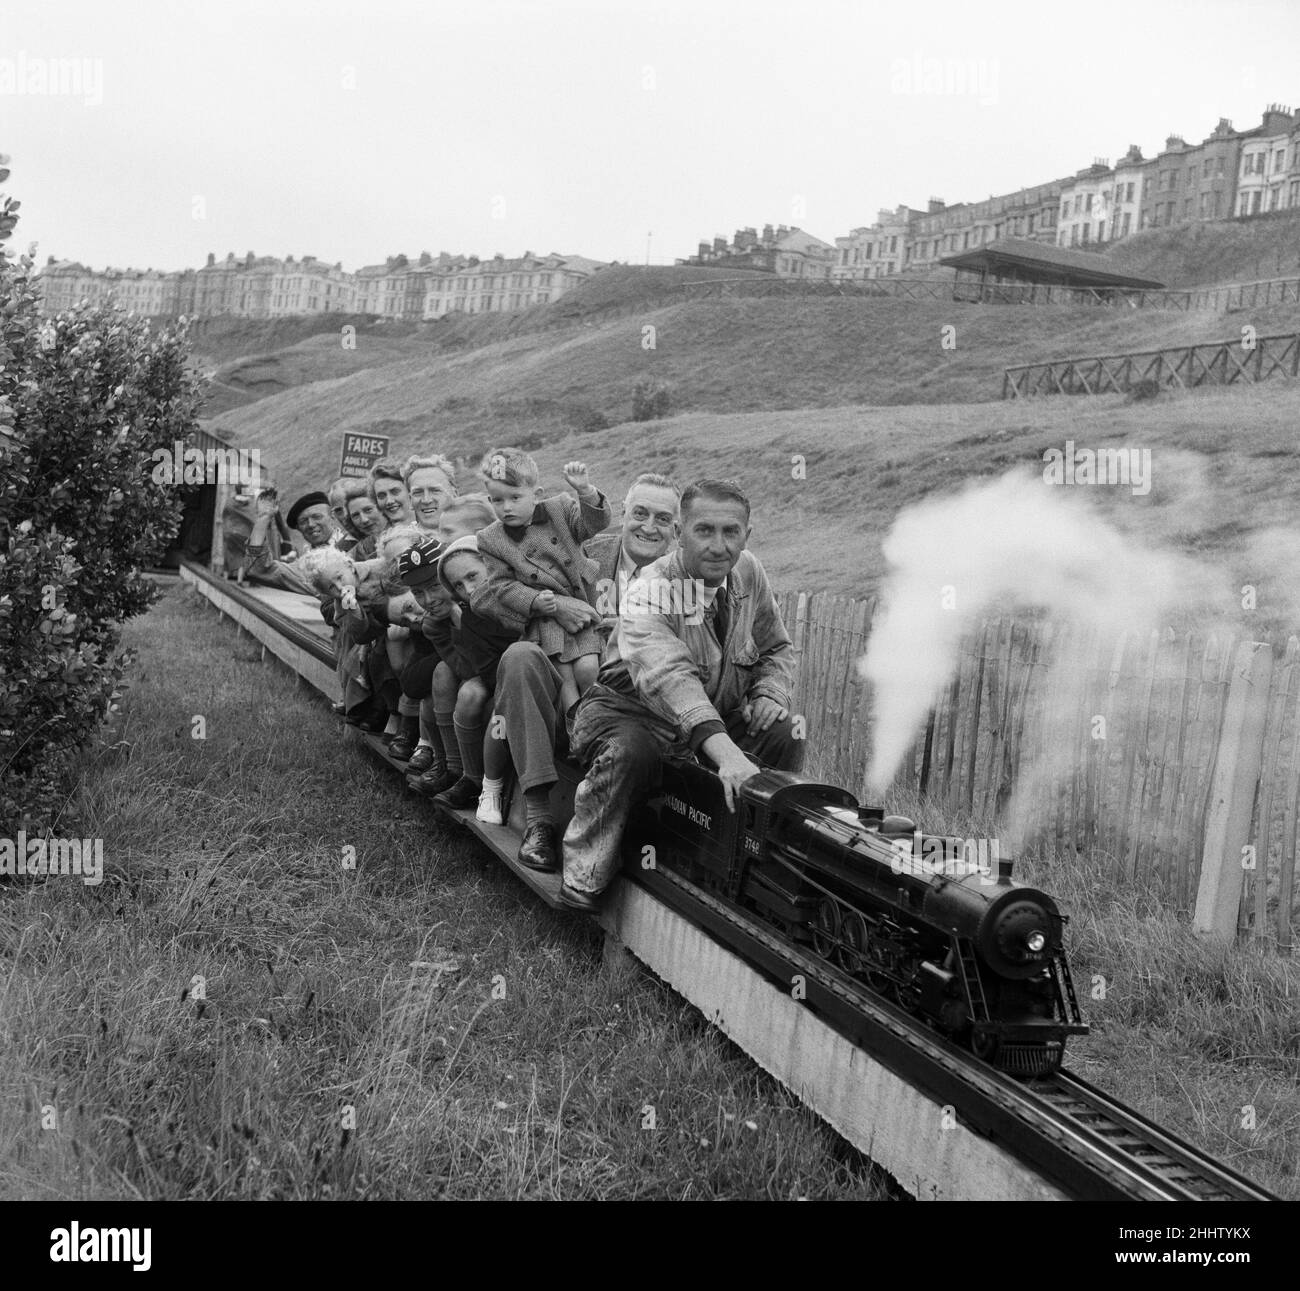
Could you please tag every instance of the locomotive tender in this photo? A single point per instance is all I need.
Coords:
(978, 956)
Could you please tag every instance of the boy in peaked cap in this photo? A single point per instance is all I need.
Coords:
(480, 643)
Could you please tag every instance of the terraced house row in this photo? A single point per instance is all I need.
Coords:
(1230, 174)
(265, 287)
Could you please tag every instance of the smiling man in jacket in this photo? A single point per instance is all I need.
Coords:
(528, 686)
(701, 663)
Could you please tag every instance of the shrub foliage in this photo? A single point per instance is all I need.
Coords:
(650, 401)
(85, 399)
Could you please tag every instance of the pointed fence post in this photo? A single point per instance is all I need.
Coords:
(1231, 805)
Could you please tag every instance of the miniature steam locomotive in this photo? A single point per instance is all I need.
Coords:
(946, 937)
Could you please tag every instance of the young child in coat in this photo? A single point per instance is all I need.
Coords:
(534, 554)
(458, 722)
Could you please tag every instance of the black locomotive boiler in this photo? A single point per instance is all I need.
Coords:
(958, 943)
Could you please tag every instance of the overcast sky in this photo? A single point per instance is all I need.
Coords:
(352, 131)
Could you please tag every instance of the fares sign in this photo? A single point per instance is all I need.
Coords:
(361, 452)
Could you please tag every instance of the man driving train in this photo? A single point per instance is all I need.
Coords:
(700, 663)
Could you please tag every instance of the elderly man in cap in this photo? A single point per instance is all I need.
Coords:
(310, 515)
(701, 663)
(528, 685)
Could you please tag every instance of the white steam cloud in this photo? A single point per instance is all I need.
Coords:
(1014, 542)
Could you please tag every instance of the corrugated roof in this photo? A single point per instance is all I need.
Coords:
(1084, 267)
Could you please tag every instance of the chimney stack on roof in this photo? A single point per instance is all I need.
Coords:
(933, 205)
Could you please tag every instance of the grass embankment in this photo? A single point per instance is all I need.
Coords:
(328, 988)
(725, 356)
(251, 359)
(1194, 255)
(1219, 469)
(1199, 1036)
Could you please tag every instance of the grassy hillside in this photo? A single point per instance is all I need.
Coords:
(621, 283)
(722, 356)
(813, 352)
(1216, 457)
(249, 359)
(1231, 251)
(245, 360)
(244, 381)
(220, 340)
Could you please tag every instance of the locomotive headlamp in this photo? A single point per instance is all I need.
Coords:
(1036, 941)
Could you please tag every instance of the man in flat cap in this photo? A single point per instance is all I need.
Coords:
(310, 515)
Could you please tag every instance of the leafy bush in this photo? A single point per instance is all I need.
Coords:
(650, 401)
(1148, 388)
(588, 420)
(85, 399)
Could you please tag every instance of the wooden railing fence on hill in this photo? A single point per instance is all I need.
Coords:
(1181, 367)
(1171, 748)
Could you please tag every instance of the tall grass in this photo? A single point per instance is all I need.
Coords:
(344, 1041)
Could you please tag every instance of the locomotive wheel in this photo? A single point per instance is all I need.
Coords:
(853, 942)
(984, 1046)
(826, 928)
(909, 997)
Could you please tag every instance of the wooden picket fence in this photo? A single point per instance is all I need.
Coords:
(1160, 742)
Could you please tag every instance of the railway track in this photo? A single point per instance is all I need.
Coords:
(1157, 1165)
(1079, 1138)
